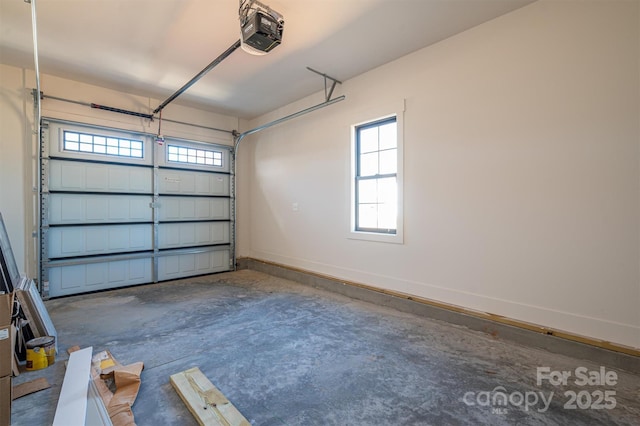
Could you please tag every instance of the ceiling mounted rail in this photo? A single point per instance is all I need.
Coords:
(287, 118)
(198, 76)
(328, 101)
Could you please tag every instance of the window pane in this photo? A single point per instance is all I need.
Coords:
(183, 154)
(388, 161)
(368, 216)
(71, 146)
(99, 140)
(369, 164)
(368, 191)
(86, 138)
(387, 190)
(368, 140)
(387, 216)
(388, 136)
(74, 137)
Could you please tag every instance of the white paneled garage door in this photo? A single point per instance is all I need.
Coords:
(119, 208)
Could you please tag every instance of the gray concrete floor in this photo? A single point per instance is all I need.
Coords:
(288, 354)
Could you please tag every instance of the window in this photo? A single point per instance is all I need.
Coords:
(183, 154)
(376, 182)
(377, 146)
(107, 145)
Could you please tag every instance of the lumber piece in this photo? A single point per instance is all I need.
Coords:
(207, 404)
(72, 404)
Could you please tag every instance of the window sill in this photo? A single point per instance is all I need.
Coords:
(376, 237)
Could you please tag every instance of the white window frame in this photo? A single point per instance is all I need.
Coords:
(397, 238)
(108, 141)
(54, 142)
(196, 155)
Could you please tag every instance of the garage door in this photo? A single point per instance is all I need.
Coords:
(119, 208)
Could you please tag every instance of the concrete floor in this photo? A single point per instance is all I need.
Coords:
(288, 354)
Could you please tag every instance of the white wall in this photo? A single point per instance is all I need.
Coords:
(18, 149)
(15, 148)
(522, 180)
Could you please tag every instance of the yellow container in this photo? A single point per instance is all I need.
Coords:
(38, 348)
(50, 352)
(36, 359)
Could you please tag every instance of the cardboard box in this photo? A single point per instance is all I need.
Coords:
(6, 350)
(6, 306)
(5, 400)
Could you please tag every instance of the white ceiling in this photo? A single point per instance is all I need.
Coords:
(153, 47)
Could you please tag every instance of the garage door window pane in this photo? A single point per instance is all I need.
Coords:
(182, 154)
(103, 145)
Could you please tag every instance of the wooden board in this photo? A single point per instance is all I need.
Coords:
(207, 404)
(72, 404)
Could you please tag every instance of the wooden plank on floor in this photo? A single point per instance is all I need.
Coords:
(72, 403)
(207, 404)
